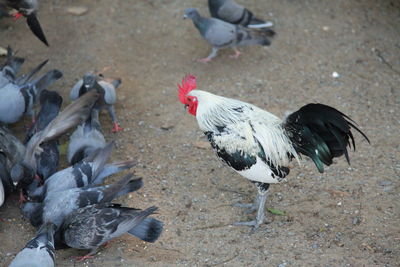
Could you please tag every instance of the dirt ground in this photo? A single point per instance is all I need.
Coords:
(348, 216)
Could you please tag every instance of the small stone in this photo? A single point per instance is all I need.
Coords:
(385, 183)
(167, 127)
(356, 220)
(335, 74)
(77, 10)
(325, 28)
(3, 51)
(201, 144)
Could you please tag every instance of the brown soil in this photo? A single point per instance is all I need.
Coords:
(348, 216)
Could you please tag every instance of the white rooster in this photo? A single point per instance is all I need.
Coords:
(259, 146)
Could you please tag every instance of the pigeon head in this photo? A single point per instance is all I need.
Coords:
(190, 102)
(21, 175)
(191, 13)
(89, 81)
(28, 7)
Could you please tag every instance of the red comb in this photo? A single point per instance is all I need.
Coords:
(188, 84)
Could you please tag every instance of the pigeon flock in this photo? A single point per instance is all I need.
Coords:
(72, 207)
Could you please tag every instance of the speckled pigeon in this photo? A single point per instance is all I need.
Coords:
(92, 226)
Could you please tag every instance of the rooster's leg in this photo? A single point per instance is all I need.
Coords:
(260, 202)
(251, 207)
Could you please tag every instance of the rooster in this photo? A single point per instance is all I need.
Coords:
(259, 146)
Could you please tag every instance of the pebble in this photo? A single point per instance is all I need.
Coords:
(385, 183)
(77, 10)
(356, 220)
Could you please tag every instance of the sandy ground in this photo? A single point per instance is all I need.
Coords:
(348, 216)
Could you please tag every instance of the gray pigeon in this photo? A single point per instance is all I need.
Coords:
(9, 70)
(91, 171)
(6, 185)
(220, 34)
(75, 113)
(39, 252)
(58, 204)
(230, 11)
(18, 100)
(85, 140)
(94, 225)
(2, 193)
(28, 9)
(106, 88)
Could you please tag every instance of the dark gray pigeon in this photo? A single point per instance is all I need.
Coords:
(220, 34)
(94, 225)
(87, 138)
(2, 193)
(232, 12)
(48, 160)
(108, 98)
(10, 69)
(17, 100)
(28, 9)
(6, 185)
(58, 204)
(91, 171)
(39, 252)
(74, 114)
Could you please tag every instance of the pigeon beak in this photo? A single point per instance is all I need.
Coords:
(86, 86)
(15, 183)
(35, 27)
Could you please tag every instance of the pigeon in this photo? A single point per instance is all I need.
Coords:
(2, 193)
(72, 115)
(106, 87)
(6, 185)
(220, 34)
(48, 160)
(91, 171)
(39, 252)
(12, 151)
(230, 11)
(18, 100)
(58, 204)
(85, 140)
(28, 9)
(94, 225)
(10, 69)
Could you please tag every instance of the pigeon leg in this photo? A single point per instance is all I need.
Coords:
(213, 53)
(111, 111)
(82, 258)
(261, 199)
(237, 53)
(22, 198)
(90, 255)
